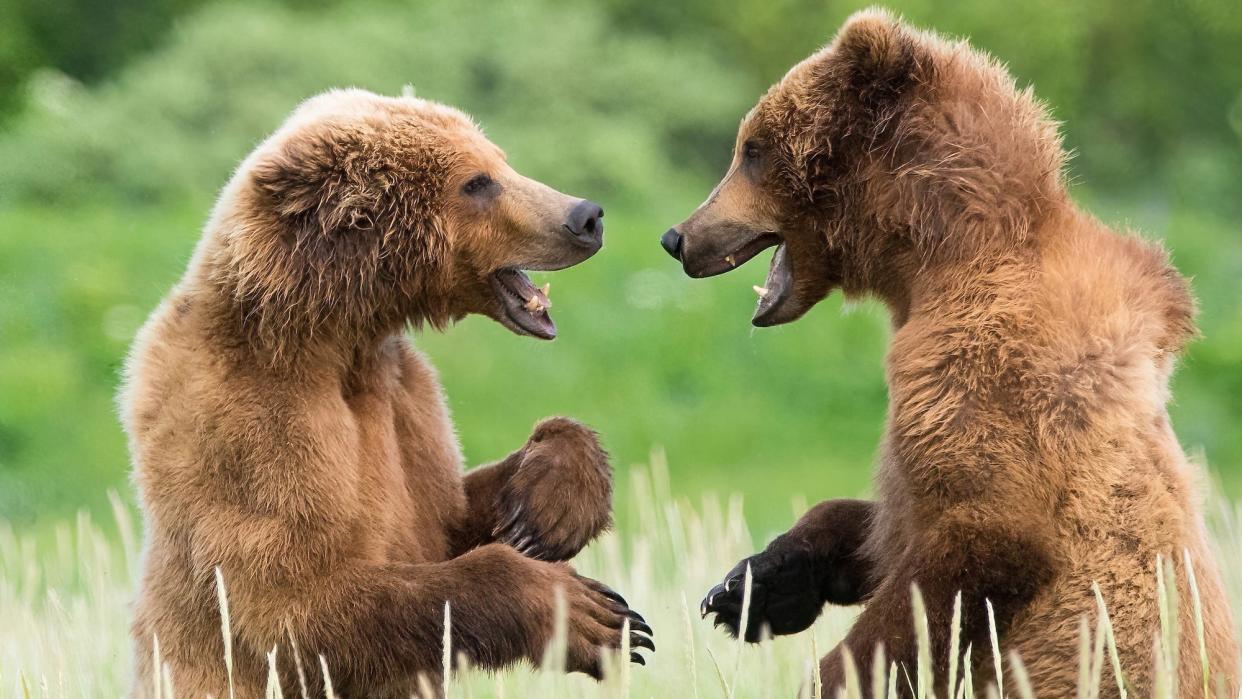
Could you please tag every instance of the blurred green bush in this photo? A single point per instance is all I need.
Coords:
(104, 187)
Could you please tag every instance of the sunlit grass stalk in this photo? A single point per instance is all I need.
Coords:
(996, 654)
(922, 635)
(1167, 646)
(273, 689)
(124, 528)
(1084, 658)
(747, 582)
(691, 663)
(328, 689)
(446, 660)
(1200, 634)
(226, 628)
(1110, 639)
(724, 683)
(303, 689)
(624, 658)
(169, 691)
(955, 639)
(968, 678)
(156, 677)
(817, 679)
(1020, 679)
(851, 689)
(878, 663)
(1097, 661)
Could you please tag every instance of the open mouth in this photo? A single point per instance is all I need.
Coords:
(738, 257)
(525, 305)
(776, 290)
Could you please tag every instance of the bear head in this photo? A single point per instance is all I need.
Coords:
(886, 152)
(363, 213)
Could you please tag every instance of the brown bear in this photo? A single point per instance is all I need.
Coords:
(284, 431)
(1028, 451)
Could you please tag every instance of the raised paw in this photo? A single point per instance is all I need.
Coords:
(560, 495)
(597, 619)
(785, 596)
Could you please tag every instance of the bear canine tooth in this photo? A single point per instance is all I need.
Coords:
(532, 304)
(762, 291)
(731, 261)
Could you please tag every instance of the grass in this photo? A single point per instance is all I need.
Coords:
(64, 605)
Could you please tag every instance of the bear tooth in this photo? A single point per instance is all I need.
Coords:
(730, 260)
(762, 291)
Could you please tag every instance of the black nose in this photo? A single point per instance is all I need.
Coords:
(586, 220)
(671, 242)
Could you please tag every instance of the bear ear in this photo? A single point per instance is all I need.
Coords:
(881, 56)
(312, 175)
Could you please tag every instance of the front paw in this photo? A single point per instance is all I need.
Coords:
(785, 593)
(560, 496)
(597, 619)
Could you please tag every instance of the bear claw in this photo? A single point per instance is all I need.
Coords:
(784, 595)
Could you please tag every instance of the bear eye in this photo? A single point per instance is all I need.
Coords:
(750, 150)
(477, 184)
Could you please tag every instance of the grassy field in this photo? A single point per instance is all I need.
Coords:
(107, 179)
(64, 601)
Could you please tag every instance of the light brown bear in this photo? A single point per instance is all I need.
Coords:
(284, 430)
(1028, 452)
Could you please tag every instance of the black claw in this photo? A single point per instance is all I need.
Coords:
(637, 659)
(612, 595)
(638, 625)
(640, 641)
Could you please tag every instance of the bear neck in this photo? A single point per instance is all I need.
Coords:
(287, 335)
(894, 264)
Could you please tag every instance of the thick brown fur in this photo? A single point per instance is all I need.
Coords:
(284, 431)
(1028, 452)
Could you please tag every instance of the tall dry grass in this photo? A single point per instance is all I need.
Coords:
(64, 608)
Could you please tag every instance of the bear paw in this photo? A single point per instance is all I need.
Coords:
(785, 596)
(560, 495)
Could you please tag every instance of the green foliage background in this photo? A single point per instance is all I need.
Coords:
(120, 121)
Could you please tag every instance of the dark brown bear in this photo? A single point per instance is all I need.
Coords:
(1028, 452)
(284, 430)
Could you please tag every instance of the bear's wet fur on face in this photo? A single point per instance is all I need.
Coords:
(1030, 357)
(406, 203)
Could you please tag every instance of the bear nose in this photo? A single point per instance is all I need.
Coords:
(671, 242)
(586, 220)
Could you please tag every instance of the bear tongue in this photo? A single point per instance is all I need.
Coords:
(777, 287)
